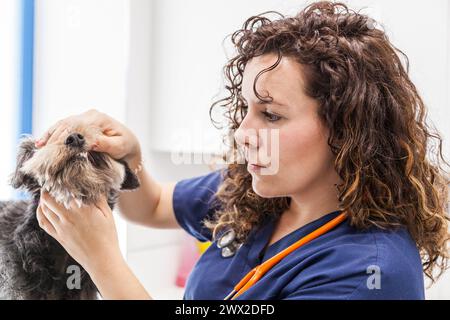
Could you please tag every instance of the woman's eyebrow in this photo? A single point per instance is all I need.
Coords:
(263, 102)
(273, 102)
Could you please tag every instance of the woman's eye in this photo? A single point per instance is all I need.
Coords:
(244, 110)
(270, 116)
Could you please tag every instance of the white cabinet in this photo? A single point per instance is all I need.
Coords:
(421, 30)
(188, 56)
(187, 60)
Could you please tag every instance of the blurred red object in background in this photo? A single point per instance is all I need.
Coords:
(191, 250)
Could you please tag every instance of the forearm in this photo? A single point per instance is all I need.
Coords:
(138, 205)
(116, 281)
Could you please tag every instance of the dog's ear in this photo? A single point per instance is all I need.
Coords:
(130, 181)
(18, 178)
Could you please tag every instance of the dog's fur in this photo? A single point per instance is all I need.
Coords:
(32, 264)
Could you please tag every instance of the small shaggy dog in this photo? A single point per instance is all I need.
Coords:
(32, 264)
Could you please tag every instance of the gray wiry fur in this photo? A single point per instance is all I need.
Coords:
(32, 264)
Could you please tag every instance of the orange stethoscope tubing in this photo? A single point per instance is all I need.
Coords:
(257, 272)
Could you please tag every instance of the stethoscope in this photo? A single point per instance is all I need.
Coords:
(226, 243)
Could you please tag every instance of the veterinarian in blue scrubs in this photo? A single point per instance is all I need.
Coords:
(341, 264)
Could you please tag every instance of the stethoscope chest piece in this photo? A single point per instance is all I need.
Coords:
(229, 251)
(227, 243)
(226, 238)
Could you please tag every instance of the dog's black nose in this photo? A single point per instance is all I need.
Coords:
(75, 140)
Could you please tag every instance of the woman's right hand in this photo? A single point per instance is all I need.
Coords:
(115, 138)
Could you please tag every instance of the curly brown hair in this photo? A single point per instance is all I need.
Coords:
(377, 123)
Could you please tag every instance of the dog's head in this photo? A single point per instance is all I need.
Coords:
(69, 170)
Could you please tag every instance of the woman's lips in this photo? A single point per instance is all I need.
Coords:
(254, 167)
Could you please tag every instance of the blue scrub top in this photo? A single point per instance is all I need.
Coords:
(344, 263)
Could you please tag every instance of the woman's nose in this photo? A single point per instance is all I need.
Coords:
(246, 137)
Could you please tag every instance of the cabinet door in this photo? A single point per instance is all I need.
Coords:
(421, 30)
(188, 56)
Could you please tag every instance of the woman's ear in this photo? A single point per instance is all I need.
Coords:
(130, 181)
(18, 178)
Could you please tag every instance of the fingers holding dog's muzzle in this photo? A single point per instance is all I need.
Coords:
(48, 134)
(44, 222)
(62, 130)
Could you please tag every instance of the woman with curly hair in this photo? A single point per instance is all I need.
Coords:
(330, 189)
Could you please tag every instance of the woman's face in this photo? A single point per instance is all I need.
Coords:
(286, 136)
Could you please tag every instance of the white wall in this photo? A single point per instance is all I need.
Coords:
(10, 33)
(188, 57)
(422, 33)
(81, 58)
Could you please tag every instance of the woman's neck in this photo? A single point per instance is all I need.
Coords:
(302, 212)
(305, 208)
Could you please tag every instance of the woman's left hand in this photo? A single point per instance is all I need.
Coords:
(88, 233)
